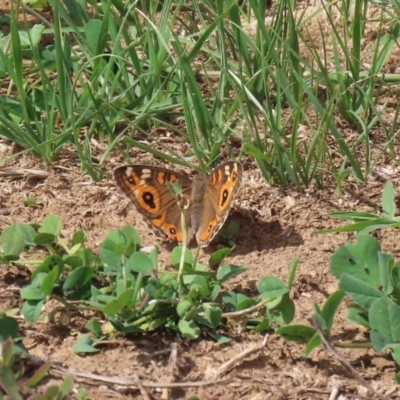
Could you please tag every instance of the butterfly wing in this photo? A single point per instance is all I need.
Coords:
(147, 187)
(222, 186)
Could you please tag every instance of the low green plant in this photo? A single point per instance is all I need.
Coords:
(127, 287)
(13, 384)
(370, 278)
(368, 222)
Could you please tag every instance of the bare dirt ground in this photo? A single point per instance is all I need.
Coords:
(277, 225)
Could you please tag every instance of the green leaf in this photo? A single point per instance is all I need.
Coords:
(31, 310)
(384, 317)
(375, 227)
(183, 307)
(51, 278)
(94, 326)
(92, 31)
(396, 353)
(189, 329)
(78, 237)
(38, 376)
(272, 287)
(85, 345)
(6, 348)
(369, 225)
(386, 263)
(198, 288)
(296, 333)
(358, 315)
(82, 394)
(284, 312)
(292, 272)
(153, 255)
(379, 341)
(244, 302)
(320, 318)
(73, 261)
(6, 259)
(48, 265)
(51, 224)
(14, 238)
(112, 249)
(29, 233)
(255, 152)
(125, 297)
(117, 305)
(355, 216)
(176, 257)
(217, 257)
(395, 275)
(52, 392)
(237, 301)
(8, 327)
(331, 306)
(214, 316)
(314, 342)
(220, 338)
(77, 279)
(166, 277)
(359, 260)
(132, 239)
(215, 292)
(140, 262)
(8, 383)
(33, 38)
(33, 291)
(263, 325)
(150, 325)
(230, 300)
(44, 238)
(361, 292)
(388, 203)
(66, 387)
(229, 271)
(87, 256)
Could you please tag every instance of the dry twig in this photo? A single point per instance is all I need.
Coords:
(143, 391)
(124, 381)
(343, 360)
(36, 173)
(215, 373)
(171, 366)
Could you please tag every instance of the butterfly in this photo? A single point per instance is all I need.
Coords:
(210, 198)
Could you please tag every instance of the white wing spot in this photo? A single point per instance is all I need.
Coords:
(128, 171)
(146, 174)
(228, 173)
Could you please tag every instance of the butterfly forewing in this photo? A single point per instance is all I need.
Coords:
(148, 189)
(223, 184)
(147, 186)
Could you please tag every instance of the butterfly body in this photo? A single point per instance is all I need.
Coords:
(210, 198)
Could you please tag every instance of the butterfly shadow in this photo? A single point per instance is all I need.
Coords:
(258, 235)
